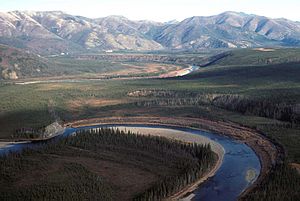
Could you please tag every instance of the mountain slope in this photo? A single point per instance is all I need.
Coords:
(112, 32)
(53, 32)
(16, 63)
(230, 30)
(258, 56)
(20, 30)
(56, 32)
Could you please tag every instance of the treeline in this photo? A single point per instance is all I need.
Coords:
(260, 107)
(161, 93)
(271, 108)
(28, 133)
(171, 98)
(171, 102)
(283, 183)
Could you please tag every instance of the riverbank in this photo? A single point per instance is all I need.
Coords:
(5, 144)
(240, 152)
(267, 152)
(189, 138)
(185, 137)
(186, 193)
(51, 131)
(179, 71)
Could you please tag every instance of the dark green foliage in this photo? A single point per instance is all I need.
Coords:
(78, 184)
(270, 108)
(74, 181)
(282, 184)
(193, 159)
(274, 108)
(28, 133)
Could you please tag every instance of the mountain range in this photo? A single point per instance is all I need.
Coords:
(52, 32)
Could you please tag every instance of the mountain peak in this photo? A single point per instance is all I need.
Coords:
(56, 32)
(115, 17)
(234, 13)
(172, 22)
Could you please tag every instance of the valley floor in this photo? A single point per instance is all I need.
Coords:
(257, 104)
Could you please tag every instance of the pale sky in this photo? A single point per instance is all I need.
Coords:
(159, 10)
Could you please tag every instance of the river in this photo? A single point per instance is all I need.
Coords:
(239, 169)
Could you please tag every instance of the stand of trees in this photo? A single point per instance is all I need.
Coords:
(264, 108)
(192, 159)
(273, 108)
(283, 183)
(28, 133)
(75, 181)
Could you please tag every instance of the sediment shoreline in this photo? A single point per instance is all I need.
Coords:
(4, 144)
(189, 138)
(268, 153)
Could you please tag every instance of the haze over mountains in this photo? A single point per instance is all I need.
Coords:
(55, 32)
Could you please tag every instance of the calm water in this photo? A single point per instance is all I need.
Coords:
(240, 167)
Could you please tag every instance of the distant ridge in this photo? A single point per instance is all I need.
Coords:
(51, 32)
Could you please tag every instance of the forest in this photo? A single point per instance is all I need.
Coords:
(283, 183)
(274, 107)
(62, 176)
(28, 133)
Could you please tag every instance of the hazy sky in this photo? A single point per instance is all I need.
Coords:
(159, 10)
